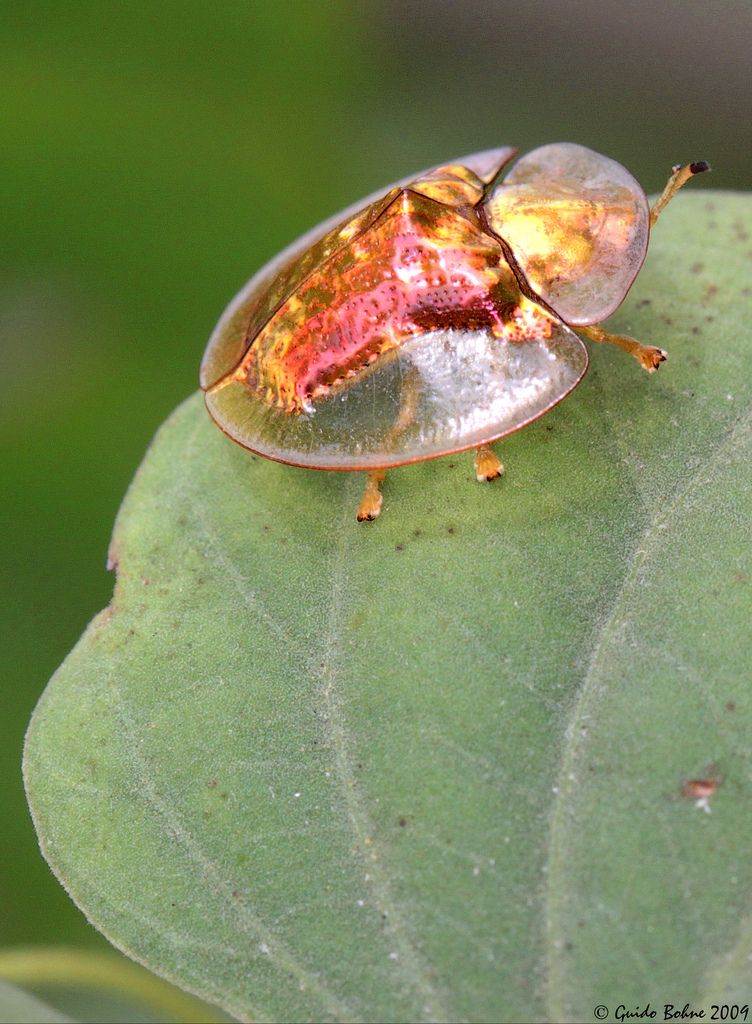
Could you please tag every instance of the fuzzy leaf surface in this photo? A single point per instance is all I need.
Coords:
(432, 768)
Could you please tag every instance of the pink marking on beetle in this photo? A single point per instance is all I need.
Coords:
(420, 267)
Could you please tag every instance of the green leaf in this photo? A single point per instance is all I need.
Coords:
(432, 768)
(100, 987)
(19, 1007)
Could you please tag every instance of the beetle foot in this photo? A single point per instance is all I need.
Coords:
(367, 515)
(650, 358)
(488, 466)
(370, 504)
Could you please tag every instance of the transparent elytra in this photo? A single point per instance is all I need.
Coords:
(439, 315)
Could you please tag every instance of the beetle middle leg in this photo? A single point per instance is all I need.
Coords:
(648, 356)
(370, 503)
(488, 465)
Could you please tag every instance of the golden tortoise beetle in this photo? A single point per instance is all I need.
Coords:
(438, 316)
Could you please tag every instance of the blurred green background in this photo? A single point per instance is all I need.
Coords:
(155, 154)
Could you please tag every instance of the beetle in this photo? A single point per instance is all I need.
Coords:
(436, 316)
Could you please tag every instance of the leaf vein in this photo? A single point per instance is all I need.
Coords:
(408, 958)
(610, 625)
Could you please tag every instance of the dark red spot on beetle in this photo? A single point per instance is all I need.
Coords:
(699, 166)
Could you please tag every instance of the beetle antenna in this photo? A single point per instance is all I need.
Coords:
(680, 175)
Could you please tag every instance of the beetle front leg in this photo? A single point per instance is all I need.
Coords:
(370, 503)
(648, 356)
(488, 465)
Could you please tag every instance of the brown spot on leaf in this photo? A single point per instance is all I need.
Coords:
(105, 616)
(699, 789)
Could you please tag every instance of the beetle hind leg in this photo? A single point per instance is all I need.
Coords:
(488, 465)
(648, 356)
(370, 503)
